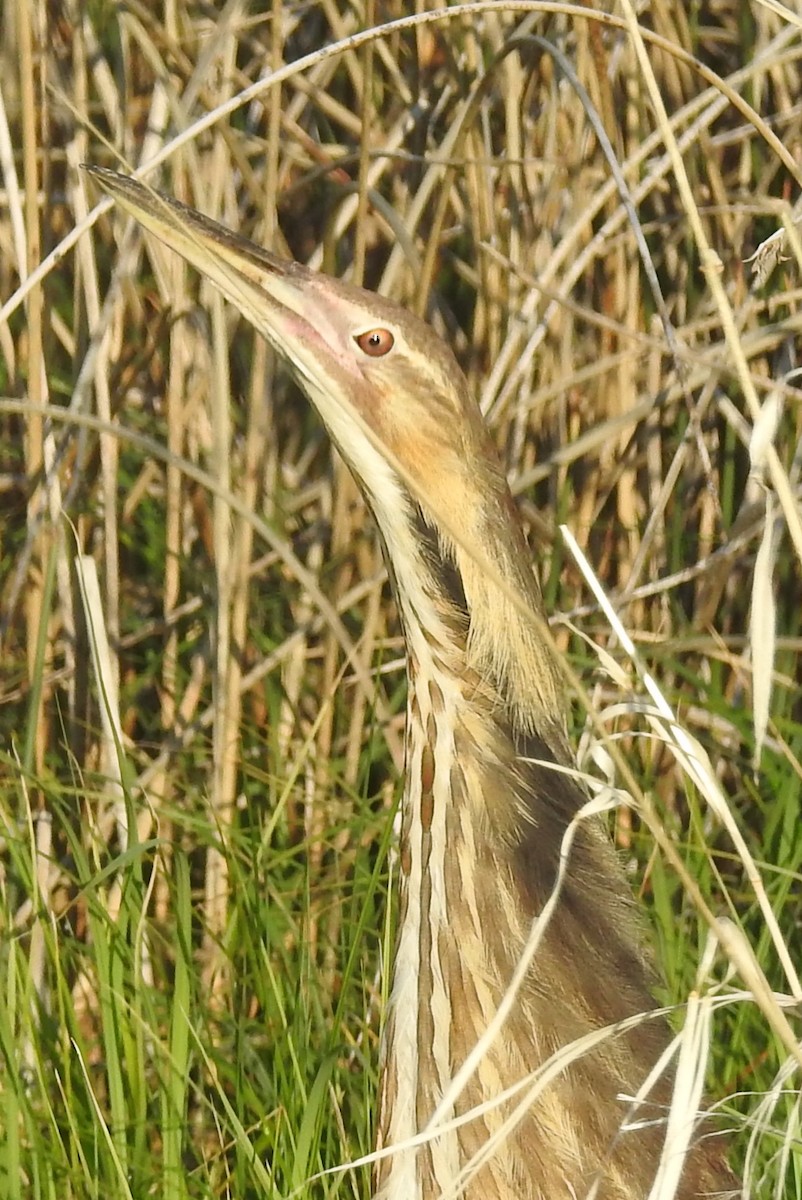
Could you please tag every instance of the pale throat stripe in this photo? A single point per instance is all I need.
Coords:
(431, 780)
(419, 1033)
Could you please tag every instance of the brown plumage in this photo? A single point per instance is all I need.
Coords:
(486, 805)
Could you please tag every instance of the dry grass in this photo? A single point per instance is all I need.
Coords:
(571, 198)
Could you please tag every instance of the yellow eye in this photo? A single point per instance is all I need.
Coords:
(376, 342)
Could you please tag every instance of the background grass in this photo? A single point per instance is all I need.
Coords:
(198, 769)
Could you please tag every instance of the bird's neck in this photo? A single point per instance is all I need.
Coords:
(485, 810)
(463, 915)
(439, 939)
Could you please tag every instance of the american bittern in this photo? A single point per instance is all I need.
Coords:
(485, 806)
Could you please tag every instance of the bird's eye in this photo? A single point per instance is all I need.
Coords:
(376, 342)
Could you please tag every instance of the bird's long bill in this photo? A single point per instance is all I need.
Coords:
(273, 294)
